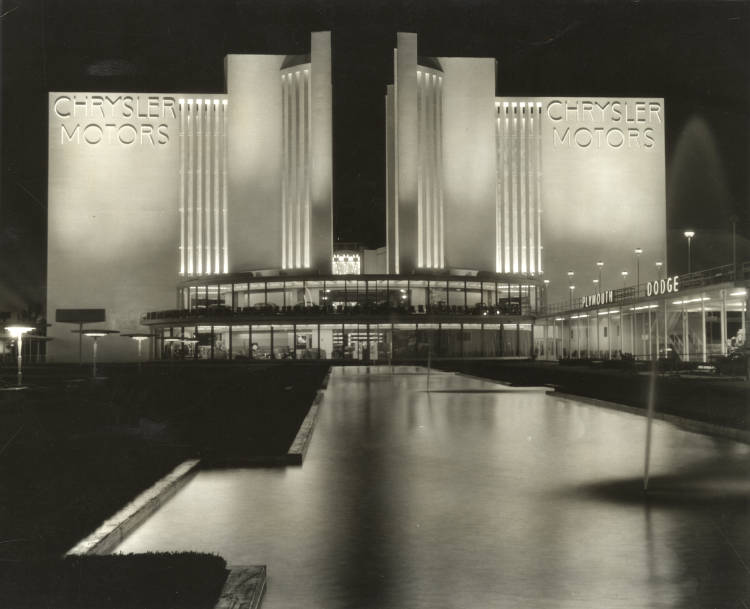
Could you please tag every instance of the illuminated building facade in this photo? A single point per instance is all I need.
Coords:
(511, 185)
(207, 218)
(148, 189)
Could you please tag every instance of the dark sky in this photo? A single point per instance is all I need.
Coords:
(694, 54)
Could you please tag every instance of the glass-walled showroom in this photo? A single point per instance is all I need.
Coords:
(693, 325)
(428, 295)
(376, 342)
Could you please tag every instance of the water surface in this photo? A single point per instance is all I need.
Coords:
(476, 495)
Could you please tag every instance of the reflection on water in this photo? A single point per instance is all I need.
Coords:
(481, 498)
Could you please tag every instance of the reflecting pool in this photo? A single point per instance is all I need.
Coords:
(476, 495)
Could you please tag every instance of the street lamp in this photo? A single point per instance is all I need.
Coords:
(624, 278)
(139, 338)
(689, 234)
(733, 219)
(600, 264)
(546, 285)
(659, 265)
(572, 287)
(637, 251)
(17, 332)
(96, 335)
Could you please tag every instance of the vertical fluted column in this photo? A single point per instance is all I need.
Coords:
(224, 197)
(306, 102)
(539, 188)
(420, 171)
(190, 182)
(182, 187)
(199, 183)
(531, 145)
(522, 198)
(218, 151)
(285, 166)
(441, 227)
(207, 190)
(507, 213)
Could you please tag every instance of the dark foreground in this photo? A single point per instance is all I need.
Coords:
(73, 451)
(711, 399)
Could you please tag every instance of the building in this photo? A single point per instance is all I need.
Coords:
(690, 318)
(148, 189)
(207, 218)
(535, 186)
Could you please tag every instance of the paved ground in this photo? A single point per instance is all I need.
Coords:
(476, 495)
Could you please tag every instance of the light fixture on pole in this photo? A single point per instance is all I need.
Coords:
(17, 331)
(600, 265)
(659, 265)
(572, 287)
(689, 234)
(733, 219)
(96, 335)
(637, 251)
(139, 338)
(546, 285)
(624, 278)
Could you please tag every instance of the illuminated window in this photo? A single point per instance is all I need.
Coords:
(346, 264)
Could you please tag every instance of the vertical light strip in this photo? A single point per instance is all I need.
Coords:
(429, 170)
(420, 158)
(531, 144)
(428, 159)
(388, 183)
(207, 198)
(293, 168)
(190, 182)
(507, 265)
(299, 106)
(498, 195)
(514, 185)
(285, 166)
(182, 186)
(539, 201)
(435, 174)
(217, 200)
(224, 182)
(522, 195)
(439, 169)
(199, 183)
(441, 222)
(306, 152)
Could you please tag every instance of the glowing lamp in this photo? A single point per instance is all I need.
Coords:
(96, 334)
(17, 331)
(139, 338)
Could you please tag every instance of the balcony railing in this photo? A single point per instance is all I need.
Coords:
(369, 310)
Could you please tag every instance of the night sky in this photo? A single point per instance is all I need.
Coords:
(694, 54)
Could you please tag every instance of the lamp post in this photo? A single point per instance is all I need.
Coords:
(600, 265)
(637, 251)
(659, 265)
(546, 285)
(139, 338)
(17, 332)
(96, 335)
(572, 287)
(733, 219)
(689, 234)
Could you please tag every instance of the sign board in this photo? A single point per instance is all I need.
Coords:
(80, 316)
